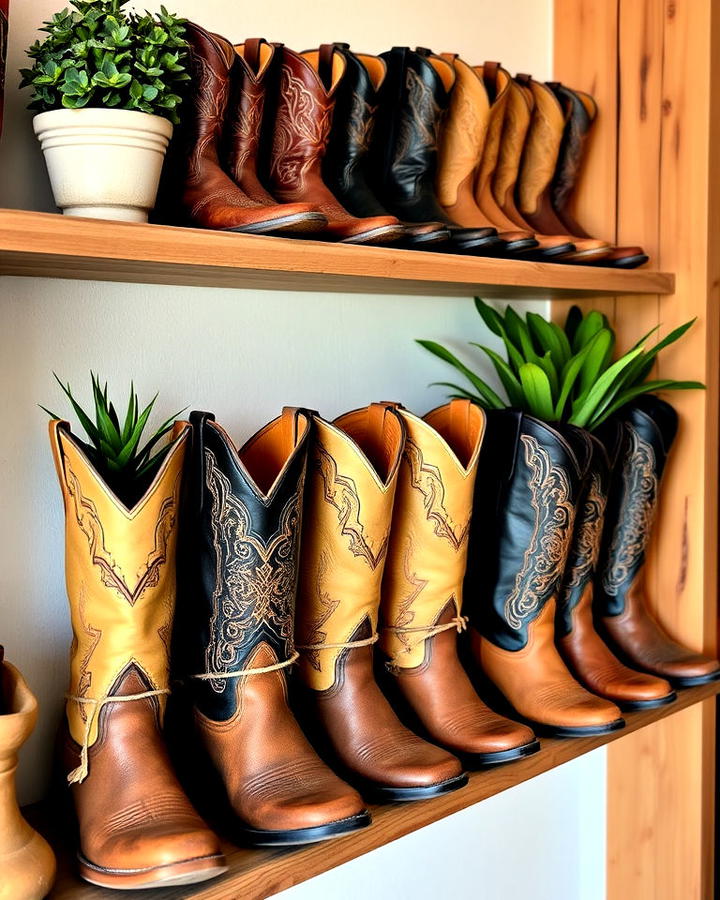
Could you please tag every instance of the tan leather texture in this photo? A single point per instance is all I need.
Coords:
(27, 864)
(120, 576)
(273, 777)
(597, 668)
(645, 643)
(542, 147)
(136, 825)
(537, 683)
(352, 478)
(350, 490)
(431, 519)
(303, 117)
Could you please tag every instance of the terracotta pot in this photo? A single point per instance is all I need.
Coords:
(27, 864)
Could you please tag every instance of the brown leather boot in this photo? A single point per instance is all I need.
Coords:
(639, 440)
(537, 170)
(27, 863)
(468, 150)
(137, 828)
(516, 124)
(352, 479)
(207, 196)
(582, 648)
(421, 610)
(522, 522)
(303, 116)
(241, 530)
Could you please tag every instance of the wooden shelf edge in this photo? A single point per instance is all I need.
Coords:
(257, 874)
(55, 246)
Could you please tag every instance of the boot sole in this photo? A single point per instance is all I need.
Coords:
(627, 262)
(498, 757)
(299, 222)
(380, 793)
(635, 705)
(694, 681)
(258, 837)
(191, 871)
(385, 235)
(558, 731)
(549, 254)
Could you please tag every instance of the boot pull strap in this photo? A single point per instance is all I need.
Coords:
(289, 426)
(198, 420)
(490, 70)
(251, 53)
(524, 80)
(325, 64)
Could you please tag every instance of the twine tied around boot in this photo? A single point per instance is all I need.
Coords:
(213, 676)
(424, 632)
(362, 642)
(78, 775)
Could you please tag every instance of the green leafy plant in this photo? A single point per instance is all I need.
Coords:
(562, 374)
(96, 54)
(114, 448)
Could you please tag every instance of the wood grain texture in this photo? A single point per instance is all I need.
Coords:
(660, 800)
(257, 874)
(42, 244)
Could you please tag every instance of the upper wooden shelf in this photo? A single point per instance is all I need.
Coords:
(55, 246)
(257, 874)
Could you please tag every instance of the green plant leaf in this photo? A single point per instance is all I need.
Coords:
(573, 320)
(512, 386)
(536, 389)
(483, 389)
(569, 376)
(587, 329)
(649, 387)
(585, 406)
(598, 347)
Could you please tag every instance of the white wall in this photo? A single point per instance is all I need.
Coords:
(244, 354)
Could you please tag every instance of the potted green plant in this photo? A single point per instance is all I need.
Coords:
(106, 84)
(562, 374)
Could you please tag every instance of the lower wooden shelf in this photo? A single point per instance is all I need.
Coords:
(257, 874)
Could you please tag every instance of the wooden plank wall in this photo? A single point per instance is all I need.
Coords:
(651, 65)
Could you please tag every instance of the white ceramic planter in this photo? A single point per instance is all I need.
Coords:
(103, 163)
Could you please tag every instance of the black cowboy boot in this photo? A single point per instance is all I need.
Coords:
(404, 153)
(639, 440)
(584, 651)
(241, 531)
(519, 541)
(344, 166)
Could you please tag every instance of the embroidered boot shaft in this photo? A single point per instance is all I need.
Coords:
(421, 611)
(522, 524)
(137, 828)
(26, 861)
(413, 99)
(639, 441)
(582, 648)
(537, 169)
(241, 532)
(468, 149)
(351, 488)
(196, 189)
(303, 112)
(345, 165)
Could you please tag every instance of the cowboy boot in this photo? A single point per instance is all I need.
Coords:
(27, 863)
(580, 113)
(136, 826)
(241, 528)
(250, 77)
(639, 441)
(516, 124)
(522, 522)
(351, 486)
(196, 190)
(537, 169)
(421, 610)
(468, 148)
(304, 104)
(345, 164)
(404, 152)
(584, 651)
